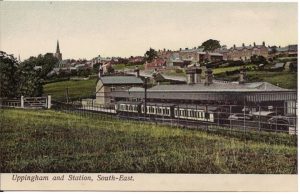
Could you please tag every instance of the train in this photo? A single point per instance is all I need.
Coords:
(168, 110)
(198, 114)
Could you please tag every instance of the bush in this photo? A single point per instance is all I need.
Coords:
(178, 71)
(235, 63)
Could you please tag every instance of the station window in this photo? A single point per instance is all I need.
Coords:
(112, 89)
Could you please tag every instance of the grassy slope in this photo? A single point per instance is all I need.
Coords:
(224, 69)
(48, 141)
(77, 89)
(283, 79)
(121, 67)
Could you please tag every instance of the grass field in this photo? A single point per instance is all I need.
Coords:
(283, 79)
(121, 67)
(77, 89)
(49, 141)
(224, 69)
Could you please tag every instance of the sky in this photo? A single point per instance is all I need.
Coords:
(89, 29)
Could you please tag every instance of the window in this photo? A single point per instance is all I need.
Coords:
(112, 89)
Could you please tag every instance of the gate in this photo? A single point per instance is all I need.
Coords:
(35, 102)
(27, 102)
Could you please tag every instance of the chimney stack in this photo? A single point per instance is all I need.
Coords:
(100, 71)
(242, 78)
(197, 75)
(254, 44)
(137, 71)
(208, 77)
(190, 76)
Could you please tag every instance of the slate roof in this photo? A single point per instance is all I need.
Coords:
(218, 87)
(167, 77)
(193, 50)
(278, 65)
(115, 80)
(174, 78)
(282, 49)
(246, 47)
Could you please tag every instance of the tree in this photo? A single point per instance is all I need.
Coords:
(48, 63)
(96, 68)
(19, 79)
(110, 69)
(258, 59)
(8, 76)
(150, 54)
(30, 83)
(211, 45)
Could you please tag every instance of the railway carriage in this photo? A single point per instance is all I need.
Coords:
(168, 110)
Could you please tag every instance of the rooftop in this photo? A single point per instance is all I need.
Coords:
(218, 86)
(121, 80)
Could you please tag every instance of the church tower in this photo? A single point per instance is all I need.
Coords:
(58, 55)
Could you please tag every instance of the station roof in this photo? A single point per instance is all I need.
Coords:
(218, 86)
(115, 80)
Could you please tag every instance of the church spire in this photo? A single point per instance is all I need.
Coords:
(57, 47)
(58, 54)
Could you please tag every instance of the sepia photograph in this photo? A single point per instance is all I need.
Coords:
(119, 92)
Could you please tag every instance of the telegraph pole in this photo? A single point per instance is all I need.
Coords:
(145, 97)
(67, 94)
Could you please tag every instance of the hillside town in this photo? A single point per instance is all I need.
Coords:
(166, 60)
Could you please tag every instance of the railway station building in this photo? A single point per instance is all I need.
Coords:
(216, 93)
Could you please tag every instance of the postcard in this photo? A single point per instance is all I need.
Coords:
(148, 96)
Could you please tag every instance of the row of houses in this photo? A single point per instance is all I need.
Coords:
(186, 57)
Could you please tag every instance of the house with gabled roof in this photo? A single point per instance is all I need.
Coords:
(245, 52)
(109, 83)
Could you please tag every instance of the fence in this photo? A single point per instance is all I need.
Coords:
(27, 102)
(207, 117)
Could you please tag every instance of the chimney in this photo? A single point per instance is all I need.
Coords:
(243, 45)
(197, 75)
(137, 71)
(208, 77)
(100, 71)
(263, 43)
(242, 78)
(234, 46)
(190, 76)
(254, 44)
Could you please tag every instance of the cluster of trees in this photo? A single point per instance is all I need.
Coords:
(17, 79)
(211, 45)
(47, 62)
(258, 60)
(150, 55)
(67, 74)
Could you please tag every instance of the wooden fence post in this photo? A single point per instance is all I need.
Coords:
(49, 102)
(22, 101)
